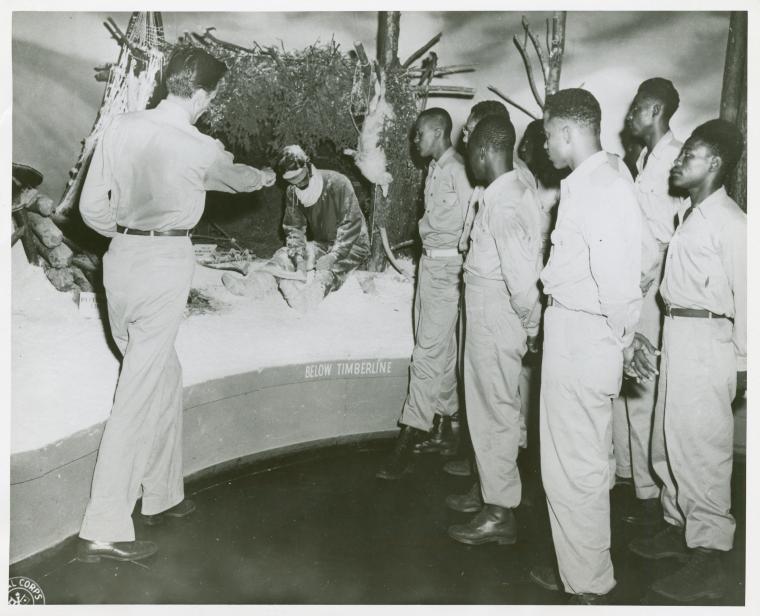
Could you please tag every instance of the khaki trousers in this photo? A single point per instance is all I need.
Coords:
(147, 280)
(581, 374)
(633, 413)
(693, 434)
(496, 344)
(433, 372)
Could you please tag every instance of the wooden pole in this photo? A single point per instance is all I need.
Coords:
(556, 51)
(733, 102)
(388, 23)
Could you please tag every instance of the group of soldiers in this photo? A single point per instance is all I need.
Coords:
(641, 278)
(612, 274)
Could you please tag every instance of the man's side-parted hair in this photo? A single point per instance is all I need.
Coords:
(577, 105)
(664, 91)
(440, 116)
(190, 69)
(486, 108)
(724, 139)
(494, 133)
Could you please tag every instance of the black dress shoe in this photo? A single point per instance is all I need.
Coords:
(589, 598)
(458, 468)
(701, 578)
(441, 438)
(668, 543)
(183, 509)
(399, 462)
(492, 524)
(93, 551)
(646, 512)
(545, 576)
(469, 502)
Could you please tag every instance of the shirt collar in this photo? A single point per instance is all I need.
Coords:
(175, 111)
(494, 187)
(444, 157)
(663, 143)
(588, 166)
(706, 206)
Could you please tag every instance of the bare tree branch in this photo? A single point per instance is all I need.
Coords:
(513, 103)
(459, 91)
(537, 46)
(529, 71)
(421, 51)
(445, 70)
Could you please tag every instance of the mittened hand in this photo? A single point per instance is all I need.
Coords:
(269, 177)
(326, 262)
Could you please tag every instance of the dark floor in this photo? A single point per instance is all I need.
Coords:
(319, 528)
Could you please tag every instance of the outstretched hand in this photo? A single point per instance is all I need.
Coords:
(640, 359)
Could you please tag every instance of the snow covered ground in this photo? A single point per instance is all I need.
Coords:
(64, 371)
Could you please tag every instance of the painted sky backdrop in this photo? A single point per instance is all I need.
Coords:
(55, 97)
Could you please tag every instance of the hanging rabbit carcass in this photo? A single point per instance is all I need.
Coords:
(369, 155)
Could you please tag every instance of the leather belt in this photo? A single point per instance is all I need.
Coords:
(438, 253)
(170, 233)
(694, 313)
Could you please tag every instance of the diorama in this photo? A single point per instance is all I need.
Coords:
(261, 379)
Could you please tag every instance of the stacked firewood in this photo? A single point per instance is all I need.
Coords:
(66, 265)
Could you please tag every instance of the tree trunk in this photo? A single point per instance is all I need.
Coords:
(733, 103)
(556, 51)
(388, 23)
(387, 57)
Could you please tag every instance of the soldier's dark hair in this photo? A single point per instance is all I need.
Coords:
(724, 139)
(534, 139)
(439, 116)
(494, 133)
(190, 69)
(577, 105)
(664, 92)
(486, 108)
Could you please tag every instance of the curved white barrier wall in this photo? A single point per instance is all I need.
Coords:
(225, 419)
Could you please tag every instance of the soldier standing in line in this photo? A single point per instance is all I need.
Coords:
(432, 397)
(503, 317)
(592, 280)
(648, 120)
(703, 367)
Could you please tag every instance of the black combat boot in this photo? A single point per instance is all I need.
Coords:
(702, 577)
(441, 439)
(399, 462)
(492, 524)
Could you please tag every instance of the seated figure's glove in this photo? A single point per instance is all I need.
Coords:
(326, 262)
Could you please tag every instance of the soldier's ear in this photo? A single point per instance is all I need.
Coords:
(565, 133)
(716, 163)
(656, 110)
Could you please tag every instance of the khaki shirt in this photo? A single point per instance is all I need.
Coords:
(447, 194)
(706, 264)
(658, 206)
(151, 169)
(505, 243)
(595, 262)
